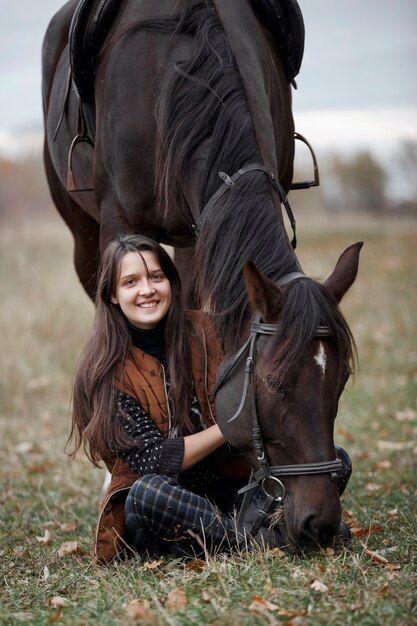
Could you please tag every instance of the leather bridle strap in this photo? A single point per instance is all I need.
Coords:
(230, 181)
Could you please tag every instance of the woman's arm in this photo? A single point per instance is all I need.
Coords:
(200, 445)
(151, 453)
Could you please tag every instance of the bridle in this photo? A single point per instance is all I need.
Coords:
(268, 477)
(230, 181)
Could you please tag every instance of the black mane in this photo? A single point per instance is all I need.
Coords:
(205, 100)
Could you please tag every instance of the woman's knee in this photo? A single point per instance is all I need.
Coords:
(142, 493)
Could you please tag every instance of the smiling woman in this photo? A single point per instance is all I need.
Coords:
(143, 291)
(143, 403)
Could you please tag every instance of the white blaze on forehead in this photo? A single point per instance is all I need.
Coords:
(321, 358)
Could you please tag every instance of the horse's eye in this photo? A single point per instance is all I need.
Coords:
(273, 386)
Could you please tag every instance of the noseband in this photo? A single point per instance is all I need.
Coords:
(268, 477)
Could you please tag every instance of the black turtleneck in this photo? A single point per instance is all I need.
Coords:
(151, 341)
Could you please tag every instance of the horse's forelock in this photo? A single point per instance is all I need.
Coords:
(306, 306)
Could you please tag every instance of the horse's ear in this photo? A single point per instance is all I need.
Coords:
(344, 273)
(264, 295)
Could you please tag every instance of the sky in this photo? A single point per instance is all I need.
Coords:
(357, 85)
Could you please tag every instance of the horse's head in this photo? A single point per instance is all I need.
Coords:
(286, 382)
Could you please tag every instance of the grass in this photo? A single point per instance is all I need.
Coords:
(47, 501)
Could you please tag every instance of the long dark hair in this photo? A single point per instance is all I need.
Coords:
(93, 417)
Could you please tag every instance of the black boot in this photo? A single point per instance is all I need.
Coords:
(346, 471)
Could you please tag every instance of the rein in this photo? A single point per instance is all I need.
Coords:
(268, 477)
(230, 181)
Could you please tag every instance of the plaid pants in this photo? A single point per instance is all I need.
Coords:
(161, 517)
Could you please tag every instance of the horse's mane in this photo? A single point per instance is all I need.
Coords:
(205, 100)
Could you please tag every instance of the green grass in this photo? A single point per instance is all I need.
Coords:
(45, 317)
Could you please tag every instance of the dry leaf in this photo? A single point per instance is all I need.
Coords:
(67, 527)
(205, 597)
(295, 621)
(359, 531)
(195, 565)
(372, 487)
(374, 556)
(383, 590)
(408, 415)
(382, 465)
(268, 585)
(276, 552)
(139, 611)
(153, 565)
(319, 586)
(57, 601)
(46, 539)
(392, 512)
(68, 547)
(394, 445)
(260, 604)
(176, 599)
(24, 447)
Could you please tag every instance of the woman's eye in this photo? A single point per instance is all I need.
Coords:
(157, 276)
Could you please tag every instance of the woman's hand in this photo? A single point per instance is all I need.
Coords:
(200, 445)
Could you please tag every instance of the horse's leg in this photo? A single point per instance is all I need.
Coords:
(184, 262)
(85, 229)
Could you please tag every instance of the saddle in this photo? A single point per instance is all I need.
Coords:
(92, 21)
(89, 28)
(284, 20)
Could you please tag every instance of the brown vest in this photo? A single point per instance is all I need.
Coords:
(142, 377)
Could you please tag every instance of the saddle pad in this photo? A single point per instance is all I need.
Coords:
(284, 20)
(89, 27)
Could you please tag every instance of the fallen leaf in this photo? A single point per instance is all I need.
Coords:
(382, 465)
(67, 527)
(383, 590)
(151, 565)
(57, 601)
(372, 487)
(268, 585)
(392, 513)
(68, 547)
(205, 597)
(24, 447)
(295, 621)
(359, 531)
(375, 556)
(394, 445)
(176, 599)
(195, 565)
(260, 604)
(46, 539)
(139, 611)
(317, 585)
(277, 552)
(408, 415)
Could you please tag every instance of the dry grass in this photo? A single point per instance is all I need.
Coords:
(44, 319)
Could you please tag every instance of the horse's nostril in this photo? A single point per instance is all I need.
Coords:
(312, 530)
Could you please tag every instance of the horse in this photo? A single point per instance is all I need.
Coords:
(277, 399)
(145, 106)
(144, 103)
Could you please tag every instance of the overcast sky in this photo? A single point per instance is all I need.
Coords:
(358, 80)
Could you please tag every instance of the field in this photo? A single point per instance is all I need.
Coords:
(49, 503)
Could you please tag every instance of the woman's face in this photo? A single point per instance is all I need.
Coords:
(143, 292)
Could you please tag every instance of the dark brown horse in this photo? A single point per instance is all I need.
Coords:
(277, 397)
(171, 94)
